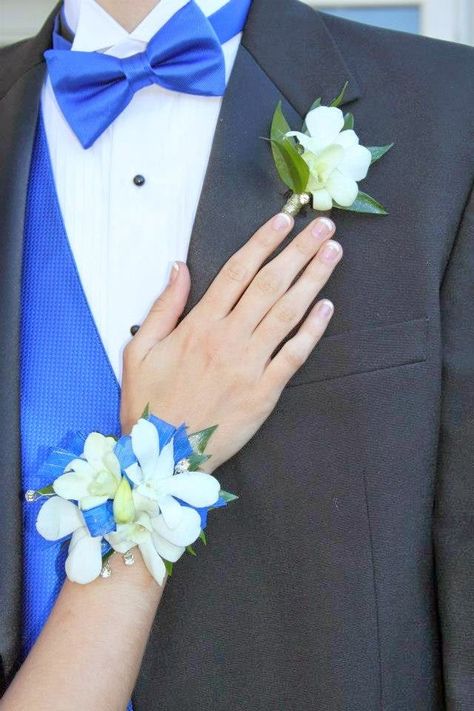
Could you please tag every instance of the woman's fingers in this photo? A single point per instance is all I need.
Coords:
(277, 276)
(288, 312)
(241, 268)
(165, 312)
(296, 351)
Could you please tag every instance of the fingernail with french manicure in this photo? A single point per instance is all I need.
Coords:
(325, 309)
(282, 222)
(174, 272)
(331, 252)
(323, 227)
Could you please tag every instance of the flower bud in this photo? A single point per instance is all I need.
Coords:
(124, 508)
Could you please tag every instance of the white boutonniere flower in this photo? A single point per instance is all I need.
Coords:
(324, 162)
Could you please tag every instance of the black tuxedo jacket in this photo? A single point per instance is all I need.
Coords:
(342, 580)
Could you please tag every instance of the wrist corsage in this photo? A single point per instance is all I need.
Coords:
(143, 490)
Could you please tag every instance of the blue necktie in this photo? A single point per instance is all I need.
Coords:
(185, 55)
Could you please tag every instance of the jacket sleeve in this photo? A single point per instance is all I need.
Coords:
(454, 504)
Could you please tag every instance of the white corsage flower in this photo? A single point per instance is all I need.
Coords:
(58, 519)
(155, 539)
(335, 159)
(157, 486)
(95, 477)
(324, 162)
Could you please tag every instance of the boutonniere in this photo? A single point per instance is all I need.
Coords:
(323, 163)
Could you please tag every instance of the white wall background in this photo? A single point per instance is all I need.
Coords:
(447, 19)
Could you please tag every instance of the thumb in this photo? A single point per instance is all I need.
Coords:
(165, 312)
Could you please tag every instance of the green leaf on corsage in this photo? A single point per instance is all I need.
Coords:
(46, 491)
(199, 440)
(228, 498)
(196, 461)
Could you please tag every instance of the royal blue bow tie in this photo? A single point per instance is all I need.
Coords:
(185, 55)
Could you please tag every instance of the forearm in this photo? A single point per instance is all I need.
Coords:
(91, 648)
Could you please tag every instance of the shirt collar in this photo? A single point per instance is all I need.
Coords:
(95, 30)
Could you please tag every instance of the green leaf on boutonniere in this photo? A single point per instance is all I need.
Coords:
(169, 567)
(228, 498)
(338, 100)
(199, 440)
(280, 126)
(379, 151)
(203, 537)
(348, 122)
(191, 550)
(291, 167)
(365, 204)
(146, 412)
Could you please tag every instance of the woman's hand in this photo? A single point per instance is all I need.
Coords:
(217, 367)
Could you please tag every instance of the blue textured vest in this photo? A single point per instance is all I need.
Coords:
(67, 383)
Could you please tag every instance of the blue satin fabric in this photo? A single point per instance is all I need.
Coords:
(67, 383)
(185, 55)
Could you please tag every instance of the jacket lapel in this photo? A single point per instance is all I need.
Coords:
(286, 54)
(19, 100)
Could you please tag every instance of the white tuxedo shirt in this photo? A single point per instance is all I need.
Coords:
(125, 237)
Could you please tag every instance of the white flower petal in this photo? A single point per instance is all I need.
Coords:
(113, 465)
(122, 546)
(80, 466)
(328, 160)
(134, 473)
(152, 560)
(96, 447)
(146, 446)
(119, 539)
(342, 189)
(196, 488)
(58, 518)
(84, 562)
(165, 465)
(144, 521)
(172, 511)
(324, 124)
(356, 162)
(307, 142)
(347, 138)
(167, 550)
(183, 535)
(73, 485)
(322, 200)
(144, 503)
